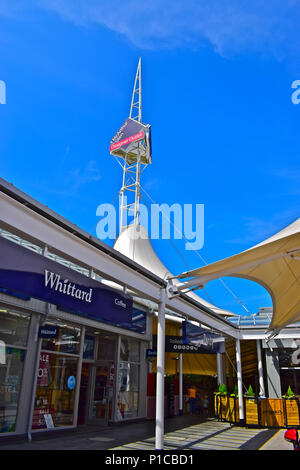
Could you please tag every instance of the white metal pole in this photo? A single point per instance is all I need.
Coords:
(220, 369)
(180, 382)
(78, 375)
(239, 380)
(160, 373)
(180, 385)
(260, 369)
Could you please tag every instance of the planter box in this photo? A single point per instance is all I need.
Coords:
(265, 412)
(227, 408)
(251, 411)
(272, 413)
(233, 410)
(292, 412)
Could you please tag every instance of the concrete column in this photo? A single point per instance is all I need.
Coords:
(38, 342)
(29, 371)
(239, 380)
(262, 392)
(273, 373)
(160, 374)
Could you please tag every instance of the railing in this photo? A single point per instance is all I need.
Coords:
(260, 412)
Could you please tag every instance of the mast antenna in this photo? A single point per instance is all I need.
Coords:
(131, 147)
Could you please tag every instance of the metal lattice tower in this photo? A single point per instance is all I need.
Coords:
(136, 101)
(133, 161)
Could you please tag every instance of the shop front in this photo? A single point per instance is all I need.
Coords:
(71, 349)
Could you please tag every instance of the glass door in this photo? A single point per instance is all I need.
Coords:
(99, 394)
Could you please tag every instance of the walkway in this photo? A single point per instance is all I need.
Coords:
(181, 433)
(208, 435)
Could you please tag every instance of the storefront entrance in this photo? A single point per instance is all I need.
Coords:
(96, 392)
(99, 394)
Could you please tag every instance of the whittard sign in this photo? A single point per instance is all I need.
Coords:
(25, 272)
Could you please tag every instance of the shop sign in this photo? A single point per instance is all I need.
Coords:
(71, 382)
(44, 369)
(175, 344)
(130, 131)
(202, 337)
(48, 332)
(151, 353)
(30, 273)
(48, 421)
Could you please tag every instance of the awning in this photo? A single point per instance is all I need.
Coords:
(273, 263)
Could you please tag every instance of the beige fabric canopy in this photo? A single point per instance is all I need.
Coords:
(274, 263)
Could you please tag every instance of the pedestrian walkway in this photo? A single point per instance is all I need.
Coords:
(181, 433)
(208, 435)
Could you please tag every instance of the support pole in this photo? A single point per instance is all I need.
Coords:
(160, 373)
(239, 381)
(220, 369)
(180, 385)
(262, 392)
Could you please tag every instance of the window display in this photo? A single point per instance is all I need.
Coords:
(57, 380)
(128, 379)
(55, 392)
(128, 390)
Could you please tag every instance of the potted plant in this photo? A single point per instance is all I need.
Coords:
(235, 392)
(289, 394)
(249, 393)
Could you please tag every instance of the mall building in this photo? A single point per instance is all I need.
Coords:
(77, 319)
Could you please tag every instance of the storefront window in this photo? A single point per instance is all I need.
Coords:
(128, 390)
(67, 341)
(89, 347)
(13, 339)
(106, 347)
(130, 350)
(289, 362)
(13, 327)
(128, 379)
(57, 380)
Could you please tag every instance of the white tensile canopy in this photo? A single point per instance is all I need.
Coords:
(273, 263)
(134, 243)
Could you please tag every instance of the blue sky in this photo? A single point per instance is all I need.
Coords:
(216, 79)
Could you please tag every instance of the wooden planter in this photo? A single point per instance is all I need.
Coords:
(272, 413)
(226, 408)
(265, 412)
(292, 412)
(252, 411)
(233, 410)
